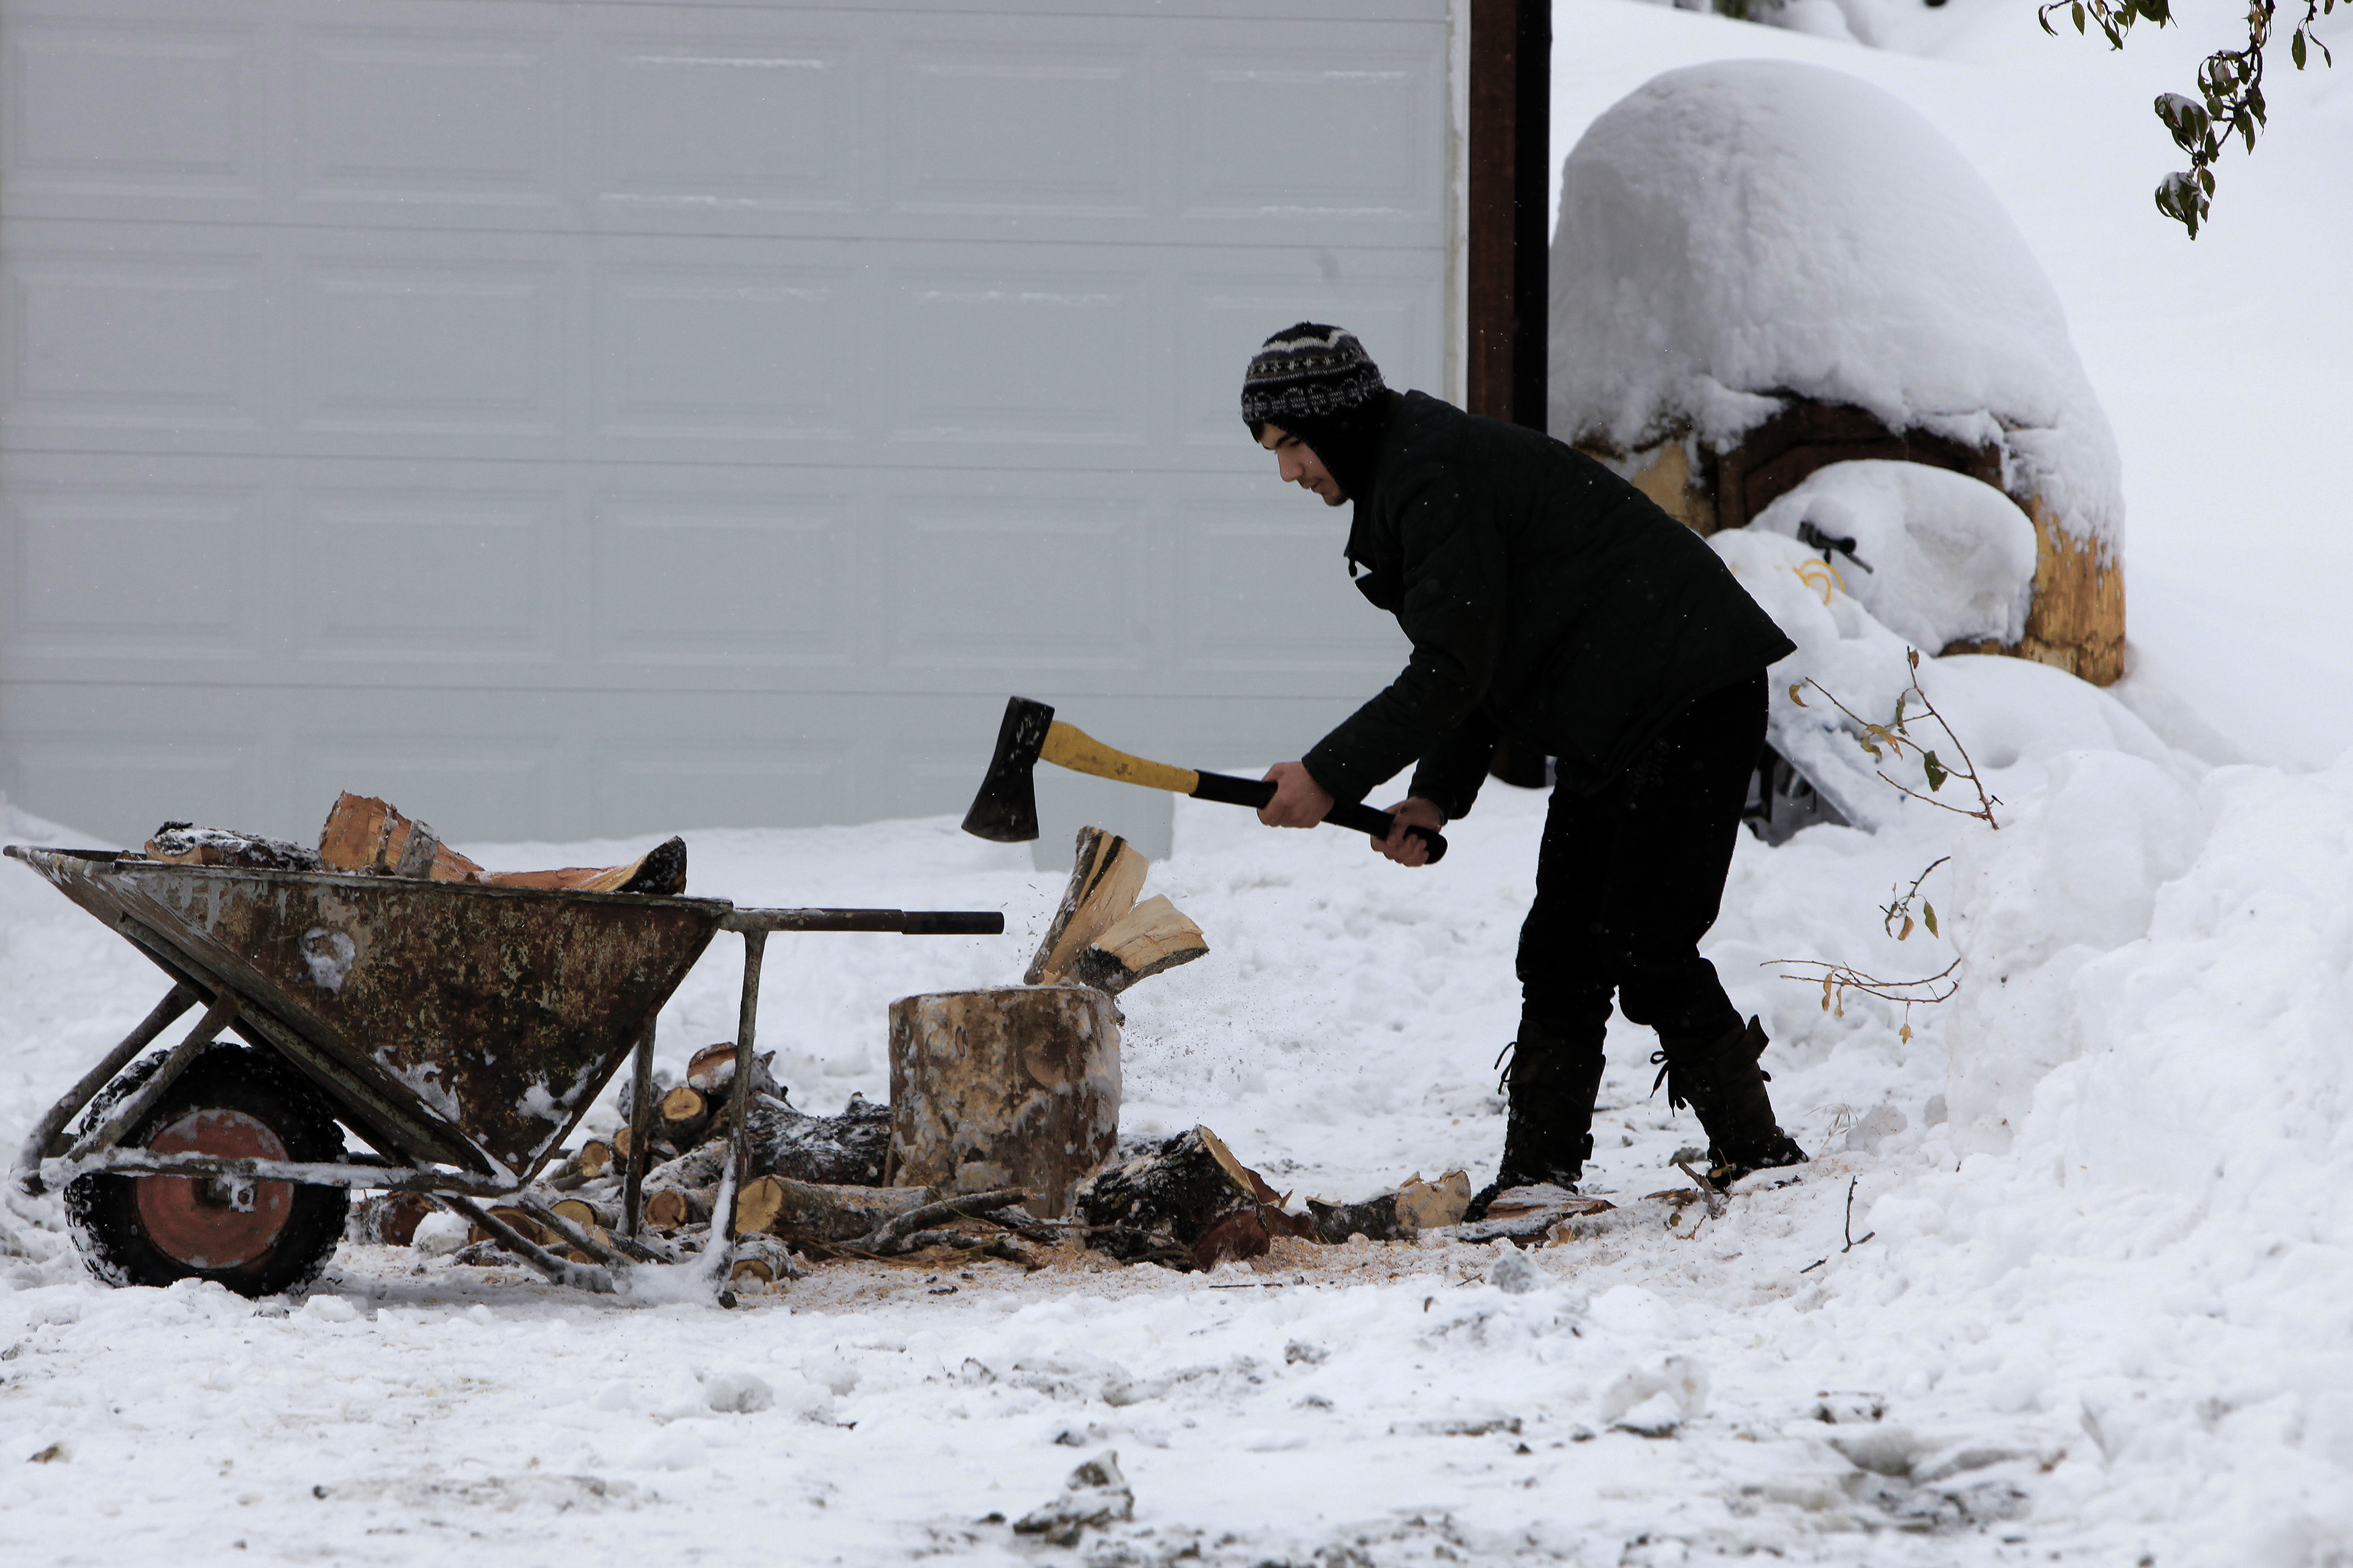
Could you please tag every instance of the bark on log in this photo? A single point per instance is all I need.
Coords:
(186, 844)
(852, 1149)
(1104, 882)
(1397, 1215)
(1017, 1087)
(1193, 1193)
(809, 1211)
(389, 1219)
(1151, 937)
(712, 1070)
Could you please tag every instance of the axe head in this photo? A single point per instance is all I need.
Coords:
(1005, 809)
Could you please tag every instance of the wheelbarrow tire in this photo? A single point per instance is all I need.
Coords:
(159, 1230)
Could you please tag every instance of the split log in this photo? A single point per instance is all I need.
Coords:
(1398, 1215)
(659, 870)
(809, 1211)
(1190, 1191)
(1012, 1086)
(368, 836)
(186, 844)
(1153, 936)
(1104, 882)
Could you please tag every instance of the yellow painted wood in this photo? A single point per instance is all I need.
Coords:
(1070, 747)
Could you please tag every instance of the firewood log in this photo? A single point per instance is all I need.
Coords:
(712, 1070)
(675, 1206)
(389, 1219)
(848, 1149)
(1397, 1215)
(186, 844)
(659, 870)
(808, 1211)
(367, 836)
(682, 1113)
(1013, 1086)
(522, 1225)
(1191, 1191)
(592, 1217)
(1152, 937)
(1104, 882)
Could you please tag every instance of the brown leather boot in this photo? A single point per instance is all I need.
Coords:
(1724, 1087)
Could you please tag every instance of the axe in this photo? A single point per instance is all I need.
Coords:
(1005, 809)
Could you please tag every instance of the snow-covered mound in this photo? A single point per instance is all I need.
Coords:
(1735, 232)
(1938, 557)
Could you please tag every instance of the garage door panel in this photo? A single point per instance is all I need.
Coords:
(135, 572)
(1016, 127)
(404, 114)
(726, 579)
(1038, 354)
(1380, 127)
(754, 353)
(759, 115)
(103, 339)
(201, 96)
(428, 346)
(1019, 582)
(425, 576)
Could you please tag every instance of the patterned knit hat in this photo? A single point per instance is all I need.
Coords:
(1309, 371)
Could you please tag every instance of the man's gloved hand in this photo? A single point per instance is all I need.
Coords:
(1299, 800)
(1402, 846)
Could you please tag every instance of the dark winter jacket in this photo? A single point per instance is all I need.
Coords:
(1548, 602)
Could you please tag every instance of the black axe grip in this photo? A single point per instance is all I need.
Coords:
(1227, 790)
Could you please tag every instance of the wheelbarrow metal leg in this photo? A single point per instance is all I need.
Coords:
(216, 1017)
(618, 1254)
(720, 1261)
(590, 1277)
(47, 1138)
(641, 1127)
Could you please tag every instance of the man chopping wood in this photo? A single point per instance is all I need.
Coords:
(1551, 605)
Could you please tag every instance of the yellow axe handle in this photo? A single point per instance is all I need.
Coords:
(1070, 747)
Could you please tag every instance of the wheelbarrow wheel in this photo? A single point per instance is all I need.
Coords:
(258, 1238)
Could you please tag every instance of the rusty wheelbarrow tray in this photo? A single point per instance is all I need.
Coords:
(460, 1030)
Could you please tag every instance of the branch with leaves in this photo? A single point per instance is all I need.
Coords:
(1879, 741)
(1900, 907)
(2230, 102)
(1837, 981)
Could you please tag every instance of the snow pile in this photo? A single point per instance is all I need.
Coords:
(1934, 556)
(1734, 232)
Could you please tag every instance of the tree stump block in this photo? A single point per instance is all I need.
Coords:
(1016, 1086)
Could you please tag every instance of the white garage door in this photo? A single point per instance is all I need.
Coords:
(592, 418)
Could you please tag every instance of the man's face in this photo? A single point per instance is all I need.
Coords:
(1298, 464)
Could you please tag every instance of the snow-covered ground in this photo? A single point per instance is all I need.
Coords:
(2105, 1311)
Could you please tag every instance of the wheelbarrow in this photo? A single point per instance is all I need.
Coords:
(460, 1030)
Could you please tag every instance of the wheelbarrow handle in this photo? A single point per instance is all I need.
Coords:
(905, 922)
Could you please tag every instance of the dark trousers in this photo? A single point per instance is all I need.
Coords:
(1630, 877)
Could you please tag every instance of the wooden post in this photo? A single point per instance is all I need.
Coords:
(1012, 1086)
(1508, 201)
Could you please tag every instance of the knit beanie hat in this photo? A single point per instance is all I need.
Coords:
(1318, 383)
